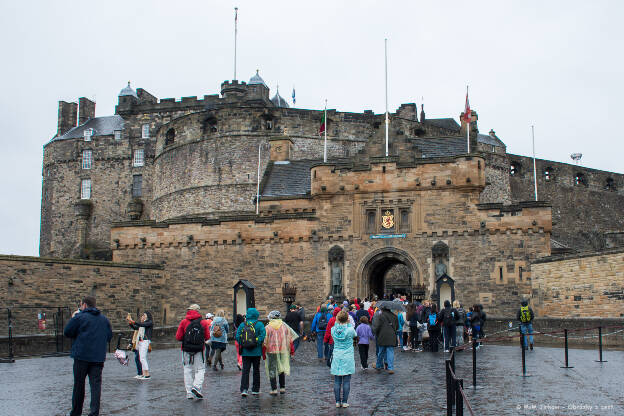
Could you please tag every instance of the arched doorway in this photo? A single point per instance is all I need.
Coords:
(388, 270)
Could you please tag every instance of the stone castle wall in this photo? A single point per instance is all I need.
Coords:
(582, 213)
(585, 285)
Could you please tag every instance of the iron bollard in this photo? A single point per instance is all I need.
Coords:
(600, 360)
(522, 339)
(449, 404)
(565, 332)
(474, 363)
(459, 400)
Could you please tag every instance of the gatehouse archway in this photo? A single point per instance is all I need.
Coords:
(388, 271)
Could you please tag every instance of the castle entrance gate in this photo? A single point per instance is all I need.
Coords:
(388, 270)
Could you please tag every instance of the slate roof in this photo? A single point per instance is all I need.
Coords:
(288, 178)
(445, 123)
(487, 139)
(440, 146)
(102, 126)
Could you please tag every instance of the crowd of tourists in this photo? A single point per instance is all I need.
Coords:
(336, 328)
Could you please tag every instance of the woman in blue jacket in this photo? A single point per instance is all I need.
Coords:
(251, 356)
(218, 344)
(319, 325)
(343, 360)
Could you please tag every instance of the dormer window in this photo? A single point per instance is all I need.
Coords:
(145, 131)
(117, 134)
(87, 133)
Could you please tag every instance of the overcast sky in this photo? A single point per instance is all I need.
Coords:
(555, 64)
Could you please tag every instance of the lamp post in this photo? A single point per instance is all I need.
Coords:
(289, 293)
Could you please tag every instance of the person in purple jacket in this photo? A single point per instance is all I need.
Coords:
(365, 335)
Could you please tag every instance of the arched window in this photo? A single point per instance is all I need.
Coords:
(170, 137)
(579, 179)
(548, 173)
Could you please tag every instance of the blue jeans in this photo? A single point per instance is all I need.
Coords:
(319, 344)
(400, 335)
(526, 328)
(386, 354)
(137, 361)
(296, 342)
(450, 333)
(345, 382)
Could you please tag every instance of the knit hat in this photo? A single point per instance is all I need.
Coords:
(291, 307)
(193, 307)
(274, 315)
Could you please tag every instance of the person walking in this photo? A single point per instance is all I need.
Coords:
(319, 325)
(218, 338)
(135, 349)
(359, 314)
(279, 347)
(193, 332)
(401, 320)
(294, 321)
(250, 337)
(343, 361)
(209, 318)
(144, 338)
(238, 321)
(475, 324)
(385, 327)
(433, 327)
(327, 338)
(448, 318)
(90, 331)
(460, 323)
(365, 335)
(525, 315)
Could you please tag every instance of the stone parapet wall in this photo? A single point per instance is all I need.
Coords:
(585, 285)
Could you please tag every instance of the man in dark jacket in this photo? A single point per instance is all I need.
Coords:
(91, 331)
(525, 315)
(385, 327)
(294, 320)
(448, 317)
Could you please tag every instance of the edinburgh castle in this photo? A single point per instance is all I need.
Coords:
(171, 201)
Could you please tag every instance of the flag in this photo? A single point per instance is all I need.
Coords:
(467, 113)
(293, 96)
(322, 128)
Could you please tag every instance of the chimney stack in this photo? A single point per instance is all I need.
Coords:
(86, 110)
(67, 113)
(422, 113)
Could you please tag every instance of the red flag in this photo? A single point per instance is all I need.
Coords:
(467, 113)
(322, 127)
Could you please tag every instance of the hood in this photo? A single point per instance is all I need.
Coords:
(92, 311)
(275, 323)
(524, 303)
(340, 332)
(252, 314)
(192, 314)
(219, 320)
(336, 311)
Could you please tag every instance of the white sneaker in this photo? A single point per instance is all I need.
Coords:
(345, 405)
(138, 376)
(406, 348)
(337, 404)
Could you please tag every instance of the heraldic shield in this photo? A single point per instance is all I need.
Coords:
(387, 220)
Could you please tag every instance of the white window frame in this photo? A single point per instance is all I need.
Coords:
(138, 158)
(87, 133)
(117, 134)
(87, 159)
(85, 189)
(145, 131)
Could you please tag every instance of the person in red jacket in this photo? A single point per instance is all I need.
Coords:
(190, 348)
(327, 339)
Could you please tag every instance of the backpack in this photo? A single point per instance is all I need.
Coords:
(461, 316)
(248, 336)
(193, 340)
(432, 319)
(217, 332)
(322, 322)
(525, 314)
(450, 317)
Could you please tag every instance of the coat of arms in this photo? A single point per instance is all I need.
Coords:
(387, 220)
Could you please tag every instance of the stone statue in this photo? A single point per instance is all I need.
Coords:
(336, 277)
(440, 269)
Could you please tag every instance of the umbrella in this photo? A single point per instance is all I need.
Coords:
(393, 306)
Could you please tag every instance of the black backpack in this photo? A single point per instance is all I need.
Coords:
(248, 336)
(322, 321)
(194, 336)
(450, 316)
(461, 316)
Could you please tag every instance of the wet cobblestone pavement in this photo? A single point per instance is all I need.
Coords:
(42, 386)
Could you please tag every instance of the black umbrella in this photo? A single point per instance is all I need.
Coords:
(393, 306)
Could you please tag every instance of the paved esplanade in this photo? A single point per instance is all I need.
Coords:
(42, 386)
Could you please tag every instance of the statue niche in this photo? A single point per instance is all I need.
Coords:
(336, 263)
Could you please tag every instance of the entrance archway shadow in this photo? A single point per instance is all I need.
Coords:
(375, 265)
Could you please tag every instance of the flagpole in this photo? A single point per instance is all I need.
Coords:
(258, 186)
(235, 36)
(468, 120)
(386, 74)
(534, 165)
(325, 131)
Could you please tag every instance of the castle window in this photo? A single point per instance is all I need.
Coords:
(520, 273)
(117, 134)
(85, 189)
(170, 137)
(138, 158)
(145, 131)
(610, 185)
(514, 169)
(371, 224)
(137, 186)
(404, 220)
(493, 149)
(87, 159)
(548, 175)
(269, 124)
(87, 133)
(579, 179)
(500, 273)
